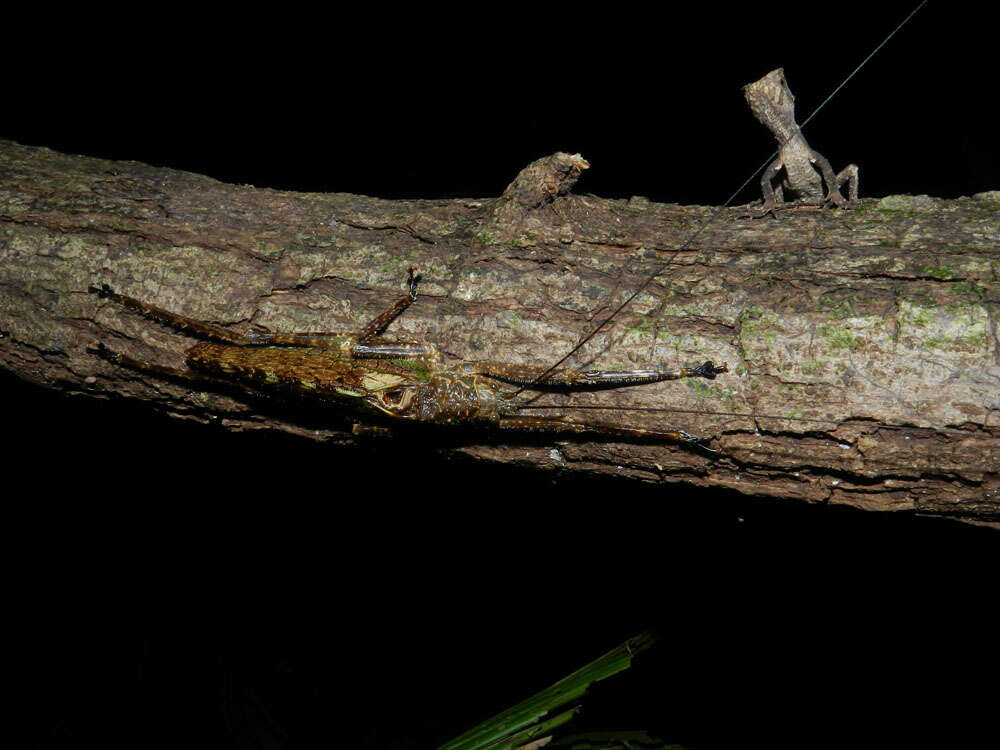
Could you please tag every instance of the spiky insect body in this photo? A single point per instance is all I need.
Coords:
(400, 378)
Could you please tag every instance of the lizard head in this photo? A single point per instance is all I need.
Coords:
(772, 103)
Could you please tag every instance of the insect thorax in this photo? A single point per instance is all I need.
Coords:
(446, 399)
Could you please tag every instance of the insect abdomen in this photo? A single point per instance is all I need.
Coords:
(306, 370)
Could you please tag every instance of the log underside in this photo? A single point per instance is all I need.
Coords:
(879, 322)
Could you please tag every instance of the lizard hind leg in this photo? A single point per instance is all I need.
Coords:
(833, 182)
(849, 174)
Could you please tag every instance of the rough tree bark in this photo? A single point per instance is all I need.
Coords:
(882, 315)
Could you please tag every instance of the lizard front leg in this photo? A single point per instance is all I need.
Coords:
(770, 200)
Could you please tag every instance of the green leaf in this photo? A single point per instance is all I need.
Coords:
(526, 721)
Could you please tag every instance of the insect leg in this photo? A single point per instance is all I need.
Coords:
(382, 321)
(528, 375)
(181, 323)
(556, 424)
(396, 349)
(172, 373)
(368, 346)
(361, 345)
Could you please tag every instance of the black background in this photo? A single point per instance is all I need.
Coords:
(387, 598)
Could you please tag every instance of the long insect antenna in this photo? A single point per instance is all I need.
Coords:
(687, 243)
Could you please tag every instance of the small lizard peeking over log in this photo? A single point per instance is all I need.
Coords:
(805, 170)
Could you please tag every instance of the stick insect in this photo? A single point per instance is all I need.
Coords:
(401, 378)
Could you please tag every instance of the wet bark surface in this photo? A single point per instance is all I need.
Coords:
(863, 343)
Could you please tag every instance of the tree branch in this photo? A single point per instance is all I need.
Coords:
(883, 315)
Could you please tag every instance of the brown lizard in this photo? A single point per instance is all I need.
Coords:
(772, 103)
